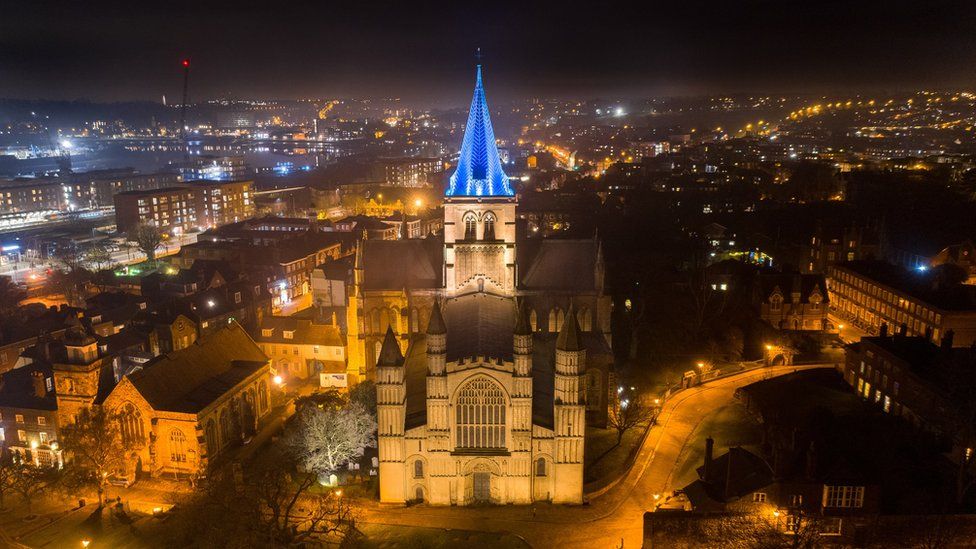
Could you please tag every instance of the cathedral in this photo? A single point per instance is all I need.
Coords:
(490, 350)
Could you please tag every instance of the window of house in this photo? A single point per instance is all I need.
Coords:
(266, 332)
(289, 334)
(3, 437)
(19, 418)
(315, 349)
(206, 323)
(793, 523)
(848, 497)
(22, 435)
(237, 297)
(796, 500)
(759, 497)
(43, 437)
(41, 420)
(830, 526)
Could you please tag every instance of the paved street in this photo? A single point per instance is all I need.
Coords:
(615, 517)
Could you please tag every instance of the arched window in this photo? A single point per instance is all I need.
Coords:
(776, 302)
(470, 226)
(131, 425)
(419, 494)
(386, 321)
(560, 319)
(374, 321)
(480, 415)
(540, 467)
(414, 320)
(212, 443)
(552, 321)
(585, 319)
(177, 446)
(418, 469)
(225, 428)
(594, 389)
(489, 222)
(262, 397)
(534, 320)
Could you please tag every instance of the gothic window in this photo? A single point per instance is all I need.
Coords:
(385, 321)
(418, 469)
(131, 425)
(540, 467)
(414, 320)
(776, 302)
(480, 415)
(585, 319)
(177, 446)
(489, 222)
(534, 320)
(225, 428)
(594, 389)
(560, 319)
(262, 396)
(470, 227)
(374, 321)
(212, 443)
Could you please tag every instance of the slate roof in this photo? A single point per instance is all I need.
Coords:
(554, 265)
(306, 332)
(190, 379)
(17, 389)
(398, 264)
(479, 325)
(736, 473)
(789, 283)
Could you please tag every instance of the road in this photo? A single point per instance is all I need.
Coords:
(33, 276)
(615, 517)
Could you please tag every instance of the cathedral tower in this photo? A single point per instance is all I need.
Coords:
(391, 401)
(479, 211)
(438, 420)
(569, 411)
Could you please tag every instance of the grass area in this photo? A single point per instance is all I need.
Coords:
(601, 458)
(383, 536)
(729, 425)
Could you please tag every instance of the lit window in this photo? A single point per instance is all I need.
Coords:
(759, 497)
(843, 497)
(480, 415)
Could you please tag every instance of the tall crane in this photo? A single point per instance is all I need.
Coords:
(186, 99)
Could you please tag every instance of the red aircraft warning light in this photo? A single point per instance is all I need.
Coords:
(186, 62)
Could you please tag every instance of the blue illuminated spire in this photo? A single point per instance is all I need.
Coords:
(479, 169)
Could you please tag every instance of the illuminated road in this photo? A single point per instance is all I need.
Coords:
(614, 517)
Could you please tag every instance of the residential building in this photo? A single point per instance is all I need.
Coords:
(172, 209)
(29, 414)
(222, 201)
(870, 294)
(406, 172)
(302, 349)
(793, 301)
(31, 195)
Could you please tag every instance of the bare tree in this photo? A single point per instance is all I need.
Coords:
(269, 506)
(10, 296)
(148, 239)
(7, 474)
(627, 415)
(290, 512)
(327, 438)
(98, 257)
(30, 480)
(69, 277)
(96, 445)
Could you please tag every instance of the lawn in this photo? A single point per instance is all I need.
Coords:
(730, 425)
(383, 536)
(601, 458)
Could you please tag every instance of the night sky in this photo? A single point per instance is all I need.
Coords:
(423, 52)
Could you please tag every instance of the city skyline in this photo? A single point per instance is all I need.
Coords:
(102, 52)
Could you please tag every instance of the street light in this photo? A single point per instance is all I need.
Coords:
(85, 542)
(278, 380)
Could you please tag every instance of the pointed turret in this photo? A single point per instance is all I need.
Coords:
(479, 168)
(390, 354)
(436, 324)
(569, 337)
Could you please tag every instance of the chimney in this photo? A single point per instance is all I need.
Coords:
(947, 339)
(40, 387)
(883, 332)
(709, 450)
